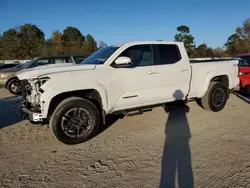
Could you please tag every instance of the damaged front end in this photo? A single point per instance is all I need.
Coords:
(30, 106)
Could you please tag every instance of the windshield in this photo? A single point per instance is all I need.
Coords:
(100, 56)
(244, 60)
(25, 65)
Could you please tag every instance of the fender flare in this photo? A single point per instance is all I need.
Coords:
(47, 97)
(210, 77)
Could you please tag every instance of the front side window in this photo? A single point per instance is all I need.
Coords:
(140, 55)
(166, 54)
(100, 56)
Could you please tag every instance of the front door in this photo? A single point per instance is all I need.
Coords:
(132, 86)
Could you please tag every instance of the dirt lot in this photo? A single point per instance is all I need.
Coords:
(204, 150)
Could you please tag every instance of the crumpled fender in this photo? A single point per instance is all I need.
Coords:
(53, 90)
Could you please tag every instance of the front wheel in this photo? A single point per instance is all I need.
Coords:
(75, 120)
(215, 98)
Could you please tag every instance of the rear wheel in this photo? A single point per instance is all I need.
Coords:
(215, 98)
(13, 86)
(75, 120)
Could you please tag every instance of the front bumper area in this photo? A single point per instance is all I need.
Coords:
(24, 112)
(33, 116)
(27, 108)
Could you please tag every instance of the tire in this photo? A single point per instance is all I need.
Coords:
(209, 102)
(10, 86)
(66, 109)
(247, 90)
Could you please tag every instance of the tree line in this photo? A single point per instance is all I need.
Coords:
(28, 41)
(238, 42)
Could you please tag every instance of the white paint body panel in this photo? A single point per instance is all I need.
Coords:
(125, 88)
(203, 73)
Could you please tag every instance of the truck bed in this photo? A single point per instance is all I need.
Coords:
(202, 71)
(210, 60)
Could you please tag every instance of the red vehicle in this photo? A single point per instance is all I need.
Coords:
(244, 72)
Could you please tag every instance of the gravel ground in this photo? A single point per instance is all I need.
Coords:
(183, 147)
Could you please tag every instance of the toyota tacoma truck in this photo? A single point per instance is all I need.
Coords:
(135, 76)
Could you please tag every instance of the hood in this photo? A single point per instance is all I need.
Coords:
(51, 69)
(10, 70)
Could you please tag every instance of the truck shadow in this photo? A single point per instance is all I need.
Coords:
(8, 108)
(176, 159)
(110, 120)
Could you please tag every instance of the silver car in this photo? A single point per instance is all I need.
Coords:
(9, 80)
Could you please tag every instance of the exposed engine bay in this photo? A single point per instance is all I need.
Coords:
(31, 92)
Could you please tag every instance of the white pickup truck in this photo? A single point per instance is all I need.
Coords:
(124, 78)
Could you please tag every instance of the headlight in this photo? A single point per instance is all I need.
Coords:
(1, 75)
(42, 81)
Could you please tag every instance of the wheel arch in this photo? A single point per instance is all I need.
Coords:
(223, 78)
(92, 95)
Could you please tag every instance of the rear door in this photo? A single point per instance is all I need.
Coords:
(171, 73)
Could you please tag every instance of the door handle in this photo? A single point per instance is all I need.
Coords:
(153, 72)
(183, 70)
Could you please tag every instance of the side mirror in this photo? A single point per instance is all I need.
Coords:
(123, 62)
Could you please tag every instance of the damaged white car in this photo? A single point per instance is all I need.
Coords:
(134, 76)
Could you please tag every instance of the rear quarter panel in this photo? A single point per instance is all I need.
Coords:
(203, 73)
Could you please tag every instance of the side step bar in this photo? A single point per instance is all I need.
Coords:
(137, 112)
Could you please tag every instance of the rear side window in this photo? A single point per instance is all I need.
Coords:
(165, 54)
